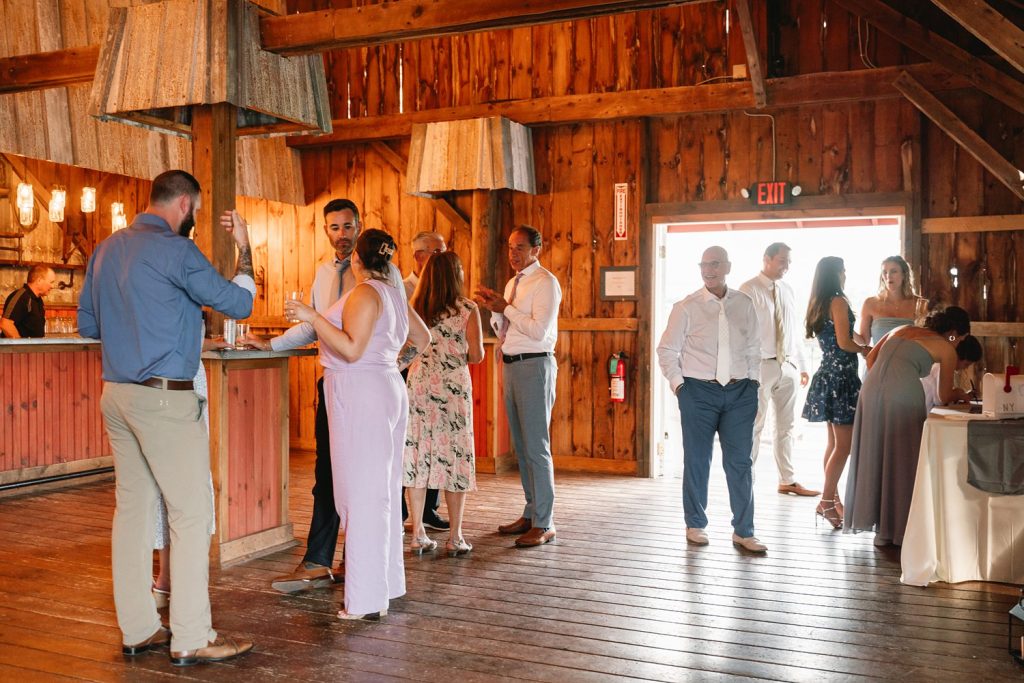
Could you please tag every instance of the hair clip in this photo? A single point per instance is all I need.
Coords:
(385, 249)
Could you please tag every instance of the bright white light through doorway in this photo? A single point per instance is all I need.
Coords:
(862, 242)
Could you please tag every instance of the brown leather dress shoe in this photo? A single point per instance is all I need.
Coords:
(797, 489)
(161, 637)
(307, 575)
(536, 536)
(520, 526)
(224, 648)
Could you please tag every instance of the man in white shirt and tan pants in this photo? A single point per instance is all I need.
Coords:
(782, 361)
(526, 320)
(710, 354)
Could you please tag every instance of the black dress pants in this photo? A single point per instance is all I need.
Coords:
(323, 527)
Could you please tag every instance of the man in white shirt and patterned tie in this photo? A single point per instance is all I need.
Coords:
(710, 354)
(782, 361)
(526, 320)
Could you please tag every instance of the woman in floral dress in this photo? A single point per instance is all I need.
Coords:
(439, 451)
(832, 394)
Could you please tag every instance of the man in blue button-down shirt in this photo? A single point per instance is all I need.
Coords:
(142, 296)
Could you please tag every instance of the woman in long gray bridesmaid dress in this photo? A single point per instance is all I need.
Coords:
(889, 419)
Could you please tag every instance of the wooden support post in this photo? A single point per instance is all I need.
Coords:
(213, 165)
(1003, 170)
(485, 232)
(753, 56)
(988, 26)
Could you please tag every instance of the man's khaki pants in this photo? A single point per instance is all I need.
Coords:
(161, 447)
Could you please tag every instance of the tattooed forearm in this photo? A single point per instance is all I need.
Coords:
(406, 355)
(244, 265)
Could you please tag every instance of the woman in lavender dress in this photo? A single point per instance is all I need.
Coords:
(361, 338)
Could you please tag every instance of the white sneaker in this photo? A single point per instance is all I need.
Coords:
(750, 543)
(695, 536)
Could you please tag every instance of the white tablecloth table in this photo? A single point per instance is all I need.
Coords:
(956, 532)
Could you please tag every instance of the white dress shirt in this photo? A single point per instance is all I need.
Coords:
(410, 282)
(759, 289)
(689, 345)
(331, 281)
(532, 315)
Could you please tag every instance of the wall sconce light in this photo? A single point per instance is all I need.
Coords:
(117, 218)
(25, 203)
(88, 199)
(57, 199)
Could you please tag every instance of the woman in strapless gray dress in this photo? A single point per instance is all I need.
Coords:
(896, 303)
(889, 419)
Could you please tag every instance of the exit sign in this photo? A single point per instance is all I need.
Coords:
(773, 193)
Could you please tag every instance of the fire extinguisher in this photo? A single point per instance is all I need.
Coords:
(617, 377)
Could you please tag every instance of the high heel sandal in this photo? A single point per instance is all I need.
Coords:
(829, 513)
(161, 597)
(422, 545)
(460, 547)
(839, 506)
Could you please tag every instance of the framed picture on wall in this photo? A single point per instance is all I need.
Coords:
(618, 283)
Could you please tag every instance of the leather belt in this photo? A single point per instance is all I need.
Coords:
(168, 384)
(715, 381)
(524, 356)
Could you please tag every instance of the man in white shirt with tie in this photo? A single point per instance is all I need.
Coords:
(526, 320)
(710, 354)
(333, 278)
(782, 361)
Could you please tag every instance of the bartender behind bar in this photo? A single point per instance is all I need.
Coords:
(24, 314)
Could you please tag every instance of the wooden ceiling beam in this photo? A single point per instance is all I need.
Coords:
(988, 26)
(1007, 173)
(48, 69)
(982, 75)
(753, 56)
(823, 88)
(308, 32)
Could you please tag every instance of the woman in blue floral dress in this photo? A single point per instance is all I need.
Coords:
(832, 395)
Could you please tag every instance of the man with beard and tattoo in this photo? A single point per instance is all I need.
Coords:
(333, 278)
(142, 296)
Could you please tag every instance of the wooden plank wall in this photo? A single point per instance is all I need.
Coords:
(828, 150)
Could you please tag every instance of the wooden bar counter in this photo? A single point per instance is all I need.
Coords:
(51, 426)
(248, 394)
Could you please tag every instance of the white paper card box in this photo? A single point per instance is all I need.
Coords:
(999, 403)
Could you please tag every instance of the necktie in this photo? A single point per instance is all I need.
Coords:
(780, 327)
(511, 298)
(342, 268)
(722, 372)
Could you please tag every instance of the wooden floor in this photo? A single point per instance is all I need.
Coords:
(618, 597)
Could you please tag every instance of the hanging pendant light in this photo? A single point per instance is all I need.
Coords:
(25, 204)
(88, 199)
(117, 218)
(57, 199)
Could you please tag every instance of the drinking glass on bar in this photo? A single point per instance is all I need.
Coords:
(294, 295)
(230, 331)
(241, 329)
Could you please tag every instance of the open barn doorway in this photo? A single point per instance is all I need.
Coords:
(862, 241)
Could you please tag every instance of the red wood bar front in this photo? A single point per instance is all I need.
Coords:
(50, 402)
(248, 394)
